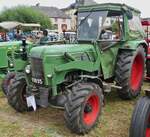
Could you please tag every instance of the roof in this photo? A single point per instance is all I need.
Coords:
(75, 5)
(51, 12)
(108, 6)
(89, 2)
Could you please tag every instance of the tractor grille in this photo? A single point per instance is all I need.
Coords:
(37, 70)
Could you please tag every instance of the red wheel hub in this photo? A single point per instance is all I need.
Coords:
(91, 110)
(147, 132)
(137, 72)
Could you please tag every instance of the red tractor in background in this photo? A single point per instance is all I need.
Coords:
(146, 26)
(140, 122)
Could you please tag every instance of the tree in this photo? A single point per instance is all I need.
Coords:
(25, 14)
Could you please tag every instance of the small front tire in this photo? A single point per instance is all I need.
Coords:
(17, 93)
(83, 107)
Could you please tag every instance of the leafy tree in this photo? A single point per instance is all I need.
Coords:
(26, 15)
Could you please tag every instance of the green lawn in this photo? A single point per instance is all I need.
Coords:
(114, 122)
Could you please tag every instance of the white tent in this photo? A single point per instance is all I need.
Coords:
(8, 25)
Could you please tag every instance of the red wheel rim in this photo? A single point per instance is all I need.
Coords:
(137, 72)
(147, 134)
(91, 110)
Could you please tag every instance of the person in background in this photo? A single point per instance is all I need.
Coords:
(44, 38)
(18, 35)
(1, 39)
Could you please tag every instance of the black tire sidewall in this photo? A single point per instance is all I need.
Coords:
(5, 85)
(140, 118)
(21, 86)
(15, 94)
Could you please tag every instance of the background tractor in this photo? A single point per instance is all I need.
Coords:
(146, 26)
(109, 53)
(140, 123)
(12, 59)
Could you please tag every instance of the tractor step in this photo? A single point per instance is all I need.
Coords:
(109, 86)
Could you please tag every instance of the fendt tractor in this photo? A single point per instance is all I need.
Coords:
(13, 58)
(109, 53)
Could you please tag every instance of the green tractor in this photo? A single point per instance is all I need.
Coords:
(109, 53)
(13, 59)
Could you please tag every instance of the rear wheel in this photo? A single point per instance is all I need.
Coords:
(140, 123)
(130, 72)
(83, 107)
(17, 93)
(7, 81)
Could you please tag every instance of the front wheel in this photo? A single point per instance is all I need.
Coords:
(83, 107)
(140, 123)
(17, 93)
(7, 82)
(130, 72)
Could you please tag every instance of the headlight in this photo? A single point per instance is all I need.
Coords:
(11, 65)
(28, 69)
(49, 76)
(21, 49)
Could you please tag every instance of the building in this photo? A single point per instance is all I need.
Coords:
(59, 19)
(70, 10)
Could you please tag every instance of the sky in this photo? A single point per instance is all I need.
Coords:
(142, 5)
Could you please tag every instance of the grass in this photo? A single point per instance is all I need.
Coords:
(114, 121)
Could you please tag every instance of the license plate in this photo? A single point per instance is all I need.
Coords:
(31, 102)
(37, 81)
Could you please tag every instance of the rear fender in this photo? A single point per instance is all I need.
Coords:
(133, 45)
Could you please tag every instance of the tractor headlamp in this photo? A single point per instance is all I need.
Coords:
(49, 76)
(28, 69)
(21, 49)
(11, 65)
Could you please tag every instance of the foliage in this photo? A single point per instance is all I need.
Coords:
(25, 15)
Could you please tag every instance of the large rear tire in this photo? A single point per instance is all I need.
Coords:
(130, 72)
(140, 123)
(17, 93)
(7, 81)
(83, 107)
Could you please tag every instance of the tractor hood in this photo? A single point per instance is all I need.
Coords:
(59, 50)
(10, 44)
